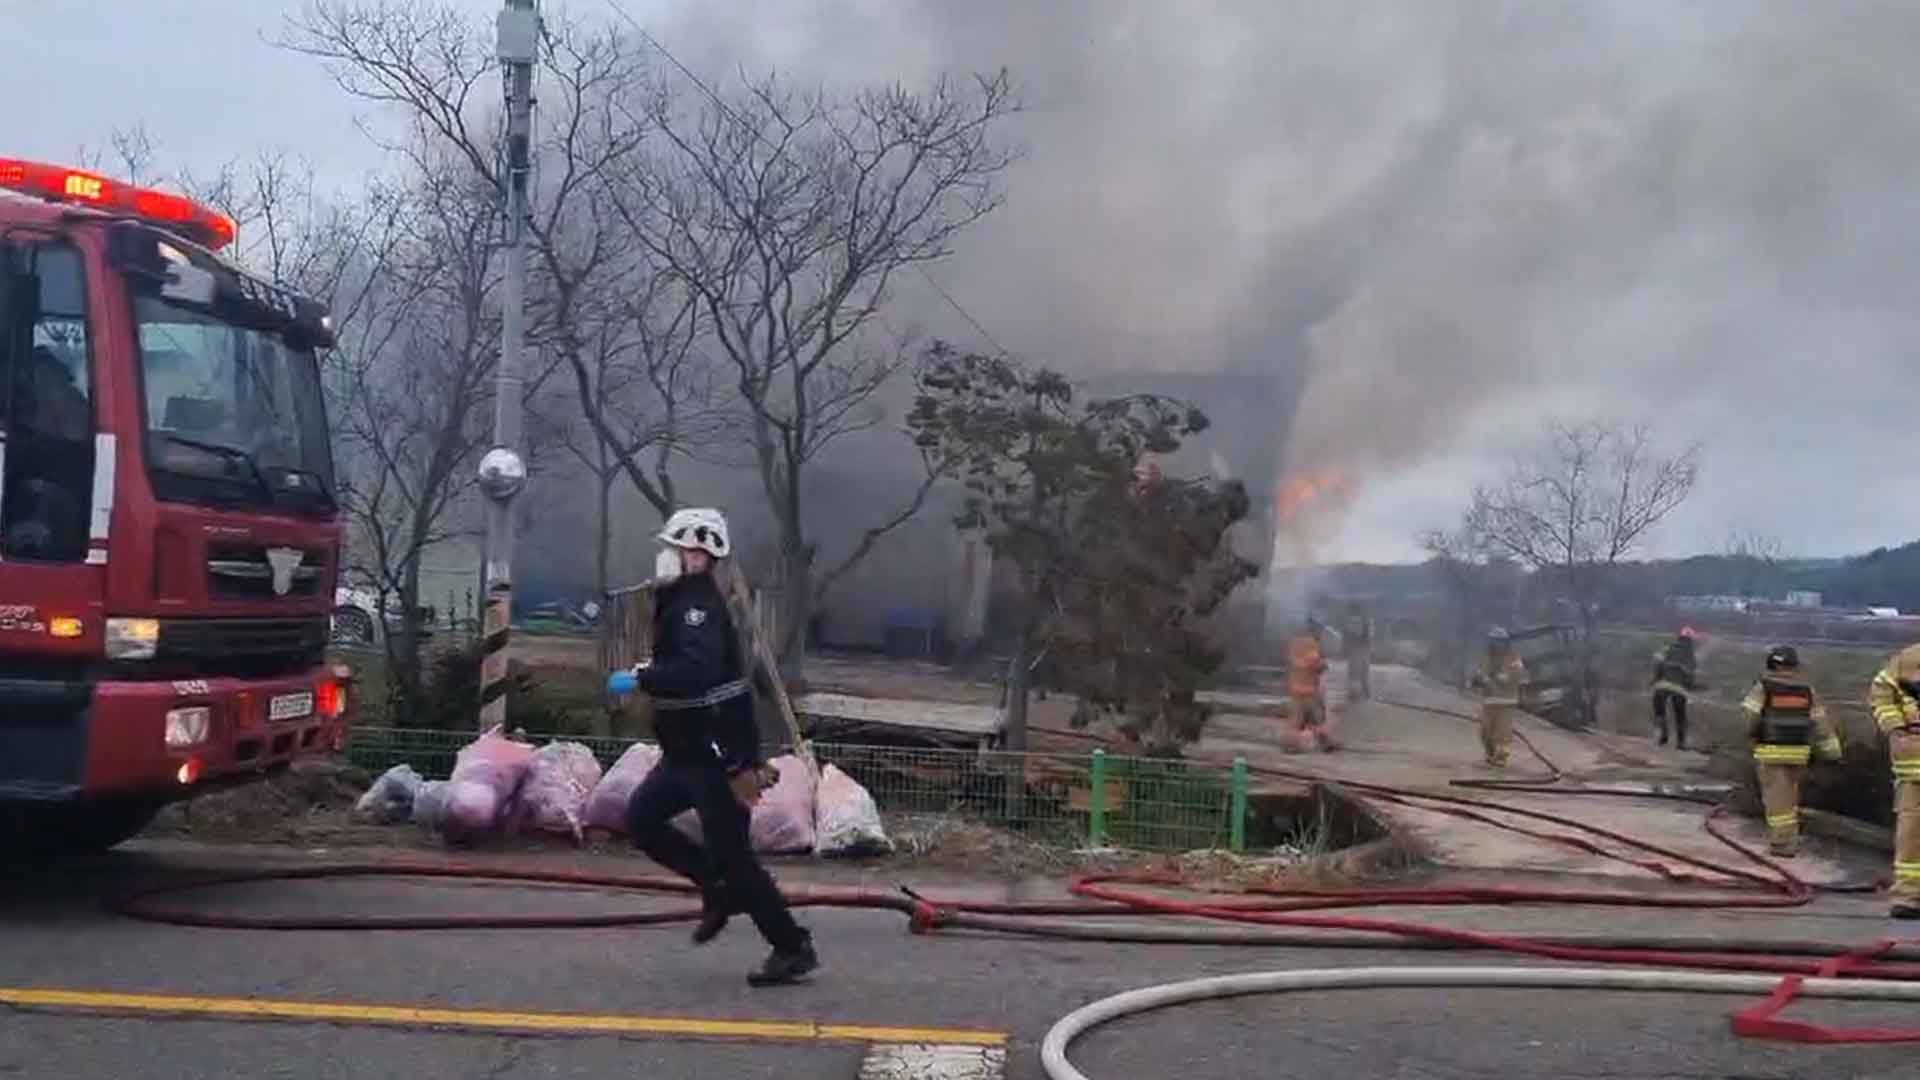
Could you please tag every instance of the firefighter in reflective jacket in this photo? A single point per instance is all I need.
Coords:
(1674, 678)
(1895, 699)
(710, 747)
(1788, 726)
(1499, 680)
(1308, 724)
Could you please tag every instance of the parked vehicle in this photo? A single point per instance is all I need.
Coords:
(169, 534)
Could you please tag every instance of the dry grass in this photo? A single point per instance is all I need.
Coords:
(1859, 786)
(945, 842)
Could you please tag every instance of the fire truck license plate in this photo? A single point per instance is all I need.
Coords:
(290, 706)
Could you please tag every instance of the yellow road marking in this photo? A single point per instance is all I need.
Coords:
(487, 1020)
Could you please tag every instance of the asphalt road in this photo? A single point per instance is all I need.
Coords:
(54, 935)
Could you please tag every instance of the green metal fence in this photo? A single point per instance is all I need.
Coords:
(1070, 800)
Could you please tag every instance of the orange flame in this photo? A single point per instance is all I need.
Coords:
(1301, 491)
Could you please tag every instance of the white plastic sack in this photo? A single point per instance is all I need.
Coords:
(430, 806)
(783, 818)
(846, 820)
(390, 799)
(559, 779)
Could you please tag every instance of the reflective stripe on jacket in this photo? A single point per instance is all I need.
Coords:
(1787, 722)
(1893, 707)
(1500, 680)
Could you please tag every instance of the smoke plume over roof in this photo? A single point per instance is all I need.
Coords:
(1436, 222)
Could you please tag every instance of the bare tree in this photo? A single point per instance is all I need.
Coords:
(600, 311)
(790, 215)
(1572, 509)
(1482, 589)
(640, 397)
(129, 154)
(413, 386)
(1757, 562)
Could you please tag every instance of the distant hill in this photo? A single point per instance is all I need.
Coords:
(1884, 577)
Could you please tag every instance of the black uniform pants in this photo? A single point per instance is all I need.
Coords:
(726, 861)
(1663, 701)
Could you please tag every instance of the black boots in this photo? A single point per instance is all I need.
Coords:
(785, 967)
(715, 909)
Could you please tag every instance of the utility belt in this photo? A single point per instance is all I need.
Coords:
(691, 729)
(1786, 731)
(719, 695)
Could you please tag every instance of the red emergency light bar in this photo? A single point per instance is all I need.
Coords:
(211, 229)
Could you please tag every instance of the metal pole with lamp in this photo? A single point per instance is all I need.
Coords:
(503, 472)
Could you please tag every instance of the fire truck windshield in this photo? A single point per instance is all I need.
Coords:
(233, 414)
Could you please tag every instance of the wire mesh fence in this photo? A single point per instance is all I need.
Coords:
(1068, 800)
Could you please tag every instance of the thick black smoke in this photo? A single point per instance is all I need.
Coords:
(1440, 222)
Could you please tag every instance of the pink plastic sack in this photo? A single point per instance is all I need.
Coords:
(846, 820)
(559, 779)
(783, 818)
(607, 806)
(782, 822)
(487, 774)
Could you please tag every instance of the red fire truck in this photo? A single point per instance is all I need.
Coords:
(169, 535)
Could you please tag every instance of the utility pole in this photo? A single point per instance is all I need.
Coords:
(503, 472)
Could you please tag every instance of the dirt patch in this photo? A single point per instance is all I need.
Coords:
(310, 802)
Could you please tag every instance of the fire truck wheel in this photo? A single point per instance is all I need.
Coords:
(100, 826)
(34, 833)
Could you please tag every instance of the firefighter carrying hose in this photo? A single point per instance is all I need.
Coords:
(1895, 700)
(1788, 726)
(703, 718)
(1675, 676)
(1499, 679)
(1307, 721)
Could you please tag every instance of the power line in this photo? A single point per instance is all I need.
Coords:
(964, 313)
(728, 112)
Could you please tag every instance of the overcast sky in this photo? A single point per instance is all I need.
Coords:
(1457, 218)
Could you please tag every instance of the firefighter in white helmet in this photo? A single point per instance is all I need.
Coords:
(703, 719)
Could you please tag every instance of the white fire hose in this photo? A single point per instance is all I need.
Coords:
(1053, 1050)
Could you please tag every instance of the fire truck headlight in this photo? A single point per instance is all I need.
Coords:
(187, 727)
(132, 639)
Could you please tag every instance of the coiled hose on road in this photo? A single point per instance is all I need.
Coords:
(1286, 917)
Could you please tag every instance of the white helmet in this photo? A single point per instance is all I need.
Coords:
(700, 528)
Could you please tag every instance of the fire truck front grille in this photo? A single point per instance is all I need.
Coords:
(246, 572)
(220, 640)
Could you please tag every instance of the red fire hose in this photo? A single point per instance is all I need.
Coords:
(1286, 917)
